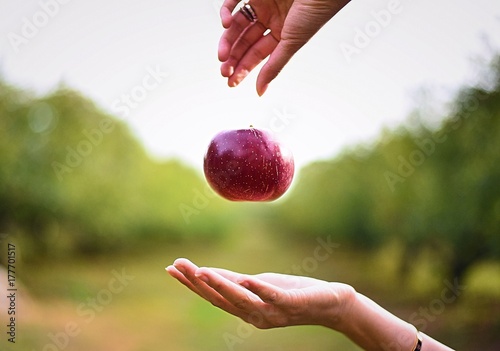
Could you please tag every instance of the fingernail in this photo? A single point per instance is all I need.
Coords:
(263, 90)
(244, 283)
(180, 269)
(202, 277)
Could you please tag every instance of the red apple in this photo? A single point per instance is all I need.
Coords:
(248, 165)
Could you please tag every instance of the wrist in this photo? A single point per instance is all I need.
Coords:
(338, 315)
(373, 328)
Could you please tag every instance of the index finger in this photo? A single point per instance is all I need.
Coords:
(226, 12)
(231, 275)
(186, 272)
(268, 293)
(239, 24)
(235, 294)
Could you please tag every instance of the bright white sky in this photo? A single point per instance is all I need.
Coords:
(106, 49)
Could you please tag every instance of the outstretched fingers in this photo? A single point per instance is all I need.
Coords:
(257, 302)
(226, 11)
(252, 57)
(267, 292)
(181, 270)
(278, 59)
(231, 275)
(244, 42)
(185, 272)
(175, 273)
(233, 293)
(237, 27)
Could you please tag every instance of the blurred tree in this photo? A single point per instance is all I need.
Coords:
(74, 179)
(430, 189)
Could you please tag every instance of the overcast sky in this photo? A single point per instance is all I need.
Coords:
(154, 64)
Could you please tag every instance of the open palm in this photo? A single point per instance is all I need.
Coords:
(265, 300)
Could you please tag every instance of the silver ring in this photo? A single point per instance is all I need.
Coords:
(249, 13)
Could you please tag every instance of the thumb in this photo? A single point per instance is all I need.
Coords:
(304, 19)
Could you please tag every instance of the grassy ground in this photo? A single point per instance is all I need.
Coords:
(80, 304)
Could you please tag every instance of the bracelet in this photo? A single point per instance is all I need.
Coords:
(418, 343)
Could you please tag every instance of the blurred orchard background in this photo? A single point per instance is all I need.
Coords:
(401, 203)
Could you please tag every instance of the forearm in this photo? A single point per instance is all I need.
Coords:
(373, 328)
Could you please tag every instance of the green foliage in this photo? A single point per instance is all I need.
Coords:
(74, 179)
(430, 189)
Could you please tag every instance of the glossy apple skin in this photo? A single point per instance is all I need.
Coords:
(248, 165)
